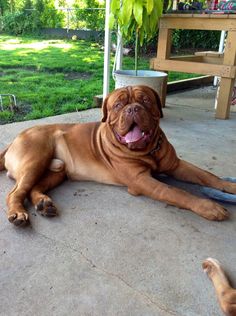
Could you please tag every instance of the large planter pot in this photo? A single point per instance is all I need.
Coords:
(154, 79)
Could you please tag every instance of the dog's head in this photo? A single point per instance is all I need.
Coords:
(133, 115)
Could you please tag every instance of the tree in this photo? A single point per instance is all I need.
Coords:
(28, 4)
(50, 17)
(4, 6)
(39, 6)
(90, 19)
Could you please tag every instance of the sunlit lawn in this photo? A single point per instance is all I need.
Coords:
(50, 77)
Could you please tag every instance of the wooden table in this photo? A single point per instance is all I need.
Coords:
(223, 67)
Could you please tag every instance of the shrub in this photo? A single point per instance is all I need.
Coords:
(20, 22)
(32, 17)
(194, 39)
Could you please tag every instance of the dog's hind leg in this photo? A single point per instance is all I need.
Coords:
(28, 174)
(225, 293)
(52, 178)
(26, 160)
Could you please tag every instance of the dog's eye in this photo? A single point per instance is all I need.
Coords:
(117, 106)
(146, 101)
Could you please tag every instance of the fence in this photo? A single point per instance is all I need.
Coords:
(68, 33)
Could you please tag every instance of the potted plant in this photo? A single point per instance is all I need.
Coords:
(139, 18)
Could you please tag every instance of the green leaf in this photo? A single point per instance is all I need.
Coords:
(111, 20)
(169, 5)
(138, 12)
(126, 11)
(155, 15)
(146, 26)
(115, 6)
(149, 6)
(153, 22)
(131, 28)
(127, 31)
(158, 5)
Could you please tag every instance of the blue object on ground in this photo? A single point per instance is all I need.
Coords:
(219, 195)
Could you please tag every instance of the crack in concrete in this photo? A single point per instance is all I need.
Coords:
(93, 265)
(145, 296)
(188, 106)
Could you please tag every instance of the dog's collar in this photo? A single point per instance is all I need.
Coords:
(158, 145)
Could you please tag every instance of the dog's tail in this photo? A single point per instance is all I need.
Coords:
(2, 158)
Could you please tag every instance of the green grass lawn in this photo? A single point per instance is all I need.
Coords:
(50, 77)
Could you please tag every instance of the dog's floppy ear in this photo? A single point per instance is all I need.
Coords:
(104, 109)
(158, 100)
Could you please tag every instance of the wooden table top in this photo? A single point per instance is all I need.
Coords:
(202, 15)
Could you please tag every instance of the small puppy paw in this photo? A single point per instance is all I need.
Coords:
(211, 211)
(18, 218)
(46, 207)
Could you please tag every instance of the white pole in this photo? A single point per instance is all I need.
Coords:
(68, 20)
(221, 49)
(107, 50)
(119, 54)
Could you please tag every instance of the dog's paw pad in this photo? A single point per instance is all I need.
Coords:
(46, 208)
(18, 218)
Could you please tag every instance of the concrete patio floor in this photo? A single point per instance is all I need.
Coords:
(109, 253)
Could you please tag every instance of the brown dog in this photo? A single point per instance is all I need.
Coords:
(225, 293)
(124, 149)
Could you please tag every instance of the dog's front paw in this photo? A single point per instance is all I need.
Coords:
(46, 207)
(211, 210)
(230, 187)
(18, 218)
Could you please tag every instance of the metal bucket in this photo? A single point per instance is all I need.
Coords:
(151, 78)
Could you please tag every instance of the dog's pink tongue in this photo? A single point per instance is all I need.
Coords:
(133, 135)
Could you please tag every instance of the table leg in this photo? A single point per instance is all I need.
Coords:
(163, 52)
(227, 84)
(224, 98)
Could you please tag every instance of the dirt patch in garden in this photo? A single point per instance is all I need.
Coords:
(73, 75)
(69, 75)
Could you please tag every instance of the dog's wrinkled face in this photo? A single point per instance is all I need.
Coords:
(133, 114)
